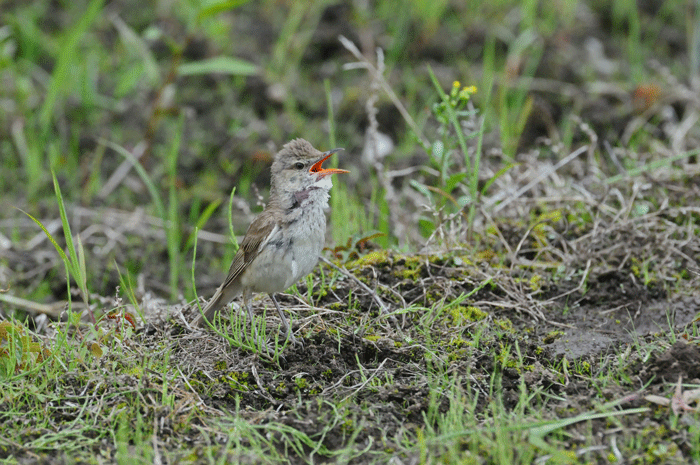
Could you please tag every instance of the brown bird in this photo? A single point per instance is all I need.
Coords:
(283, 243)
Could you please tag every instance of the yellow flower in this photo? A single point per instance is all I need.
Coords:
(456, 84)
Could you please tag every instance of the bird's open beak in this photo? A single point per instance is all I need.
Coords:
(318, 169)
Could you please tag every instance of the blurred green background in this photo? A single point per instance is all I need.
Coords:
(200, 95)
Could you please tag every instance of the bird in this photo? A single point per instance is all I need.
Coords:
(284, 242)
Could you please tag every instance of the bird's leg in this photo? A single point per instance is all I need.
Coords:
(287, 329)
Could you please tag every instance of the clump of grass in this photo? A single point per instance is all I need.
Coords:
(452, 176)
(74, 261)
(18, 350)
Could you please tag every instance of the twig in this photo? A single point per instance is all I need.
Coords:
(55, 309)
(383, 309)
(370, 378)
(263, 391)
(364, 63)
(120, 173)
(537, 179)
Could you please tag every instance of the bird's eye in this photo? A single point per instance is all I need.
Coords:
(299, 165)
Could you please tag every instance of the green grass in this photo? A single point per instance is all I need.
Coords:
(466, 417)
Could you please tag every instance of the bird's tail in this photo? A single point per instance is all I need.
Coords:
(222, 296)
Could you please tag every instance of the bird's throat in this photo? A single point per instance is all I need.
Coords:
(300, 196)
(324, 183)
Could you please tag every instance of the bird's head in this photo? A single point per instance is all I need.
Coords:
(298, 169)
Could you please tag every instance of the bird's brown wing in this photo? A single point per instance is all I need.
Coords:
(257, 234)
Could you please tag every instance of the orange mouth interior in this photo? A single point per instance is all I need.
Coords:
(318, 168)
